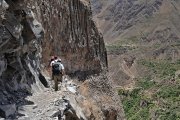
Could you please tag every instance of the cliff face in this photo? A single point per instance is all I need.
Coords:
(69, 33)
(72, 35)
(20, 53)
(20, 46)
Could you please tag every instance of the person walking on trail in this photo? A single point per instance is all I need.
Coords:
(52, 60)
(57, 72)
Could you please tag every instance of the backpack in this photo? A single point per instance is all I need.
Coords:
(56, 68)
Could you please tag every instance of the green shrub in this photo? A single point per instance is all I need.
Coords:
(131, 106)
(167, 114)
(178, 62)
(168, 92)
(145, 83)
(162, 69)
(142, 114)
(135, 93)
(123, 92)
(118, 49)
(165, 93)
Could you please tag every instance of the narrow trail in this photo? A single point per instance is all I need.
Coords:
(52, 105)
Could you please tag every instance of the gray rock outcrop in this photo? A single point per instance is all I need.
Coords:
(20, 48)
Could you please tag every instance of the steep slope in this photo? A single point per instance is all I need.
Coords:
(142, 39)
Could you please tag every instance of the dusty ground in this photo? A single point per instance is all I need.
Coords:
(47, 104)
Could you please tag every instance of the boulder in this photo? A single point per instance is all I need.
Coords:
(7, 110)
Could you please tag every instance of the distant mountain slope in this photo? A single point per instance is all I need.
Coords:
(143, 42)
(124, 18)
(140, 28)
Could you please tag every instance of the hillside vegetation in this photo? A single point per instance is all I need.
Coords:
(155, 95)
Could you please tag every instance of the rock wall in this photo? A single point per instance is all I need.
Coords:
(72, 35)
(69, 33)
(20, 47)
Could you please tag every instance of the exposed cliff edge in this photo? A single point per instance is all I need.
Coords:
(65, 28)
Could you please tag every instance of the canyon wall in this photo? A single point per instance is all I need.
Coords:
(51, 27)
(72, 35)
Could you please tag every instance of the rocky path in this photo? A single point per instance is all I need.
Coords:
(51, 105)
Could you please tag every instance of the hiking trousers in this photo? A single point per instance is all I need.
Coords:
(57, 78)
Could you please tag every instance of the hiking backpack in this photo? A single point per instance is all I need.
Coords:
(56, 68)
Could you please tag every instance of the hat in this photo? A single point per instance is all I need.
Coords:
(52, 57)
(59, 60)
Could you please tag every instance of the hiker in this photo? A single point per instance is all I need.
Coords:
(52, 60)
(57, 72)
